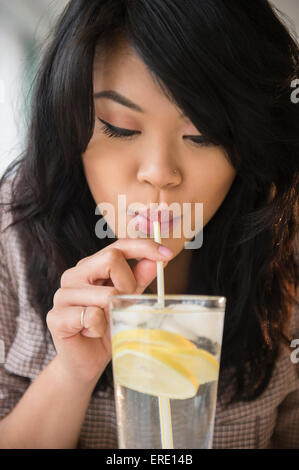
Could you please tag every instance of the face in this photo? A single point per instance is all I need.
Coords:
(138, 141)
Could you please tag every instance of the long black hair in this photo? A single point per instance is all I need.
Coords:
(228, 64)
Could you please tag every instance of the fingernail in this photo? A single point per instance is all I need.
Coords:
(165, 251)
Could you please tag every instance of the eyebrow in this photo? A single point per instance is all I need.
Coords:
(121, 99)
(118, 98)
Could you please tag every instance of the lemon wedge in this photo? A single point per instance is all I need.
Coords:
(152, 370)
(202, 364)
(153, 336)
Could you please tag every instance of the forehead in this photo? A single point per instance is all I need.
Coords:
(118, 64)
(119, 68)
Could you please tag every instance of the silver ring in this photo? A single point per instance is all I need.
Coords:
(174, 171)
(82, 317)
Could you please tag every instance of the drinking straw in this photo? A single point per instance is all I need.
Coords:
(164, 403)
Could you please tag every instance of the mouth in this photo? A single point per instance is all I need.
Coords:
(161, 216)
(144, 221)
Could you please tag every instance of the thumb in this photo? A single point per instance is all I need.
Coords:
(145, 272)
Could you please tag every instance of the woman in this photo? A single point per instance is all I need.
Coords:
(160, 101)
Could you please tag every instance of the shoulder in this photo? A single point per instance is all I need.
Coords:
(6, 188)
(12, 255)
(27, 343)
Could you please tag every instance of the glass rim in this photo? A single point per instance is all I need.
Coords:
(168, 296)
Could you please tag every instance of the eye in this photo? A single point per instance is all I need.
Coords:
(199, 140)
(117, 132)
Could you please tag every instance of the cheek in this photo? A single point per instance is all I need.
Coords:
(101, 177)
(102, 170)
(213, 180)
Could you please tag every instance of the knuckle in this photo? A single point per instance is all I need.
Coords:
(111, 291)
(95, 315)
(56, 322)
(65, 278)
(50, 318)
(155, 244)
(148, 245)
(83, 260)
(57, 296)
(112, 255)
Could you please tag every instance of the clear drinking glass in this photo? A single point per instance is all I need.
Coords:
(165, 360)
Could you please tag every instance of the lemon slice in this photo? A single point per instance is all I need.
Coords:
(152, 370)
(154, 337)
(202, 364)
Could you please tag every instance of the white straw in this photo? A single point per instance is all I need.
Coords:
(160, 271)
(165, 423)
(164, 403)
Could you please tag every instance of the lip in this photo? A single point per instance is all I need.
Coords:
(146, 225)
(162, 215)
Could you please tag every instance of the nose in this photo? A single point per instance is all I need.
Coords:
(158, 170)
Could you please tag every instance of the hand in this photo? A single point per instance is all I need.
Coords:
(84, 353)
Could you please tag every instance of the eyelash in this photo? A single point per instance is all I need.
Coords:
(117, 132)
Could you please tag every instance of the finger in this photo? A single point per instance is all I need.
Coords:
(95, 322)
(134, 248)
(84, 259)
(141, 248)
(66, 323)
(84, 296)
(145, 272)
(111, 262)
(143, 282)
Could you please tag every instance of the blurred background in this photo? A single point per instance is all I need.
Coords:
(25, 26)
